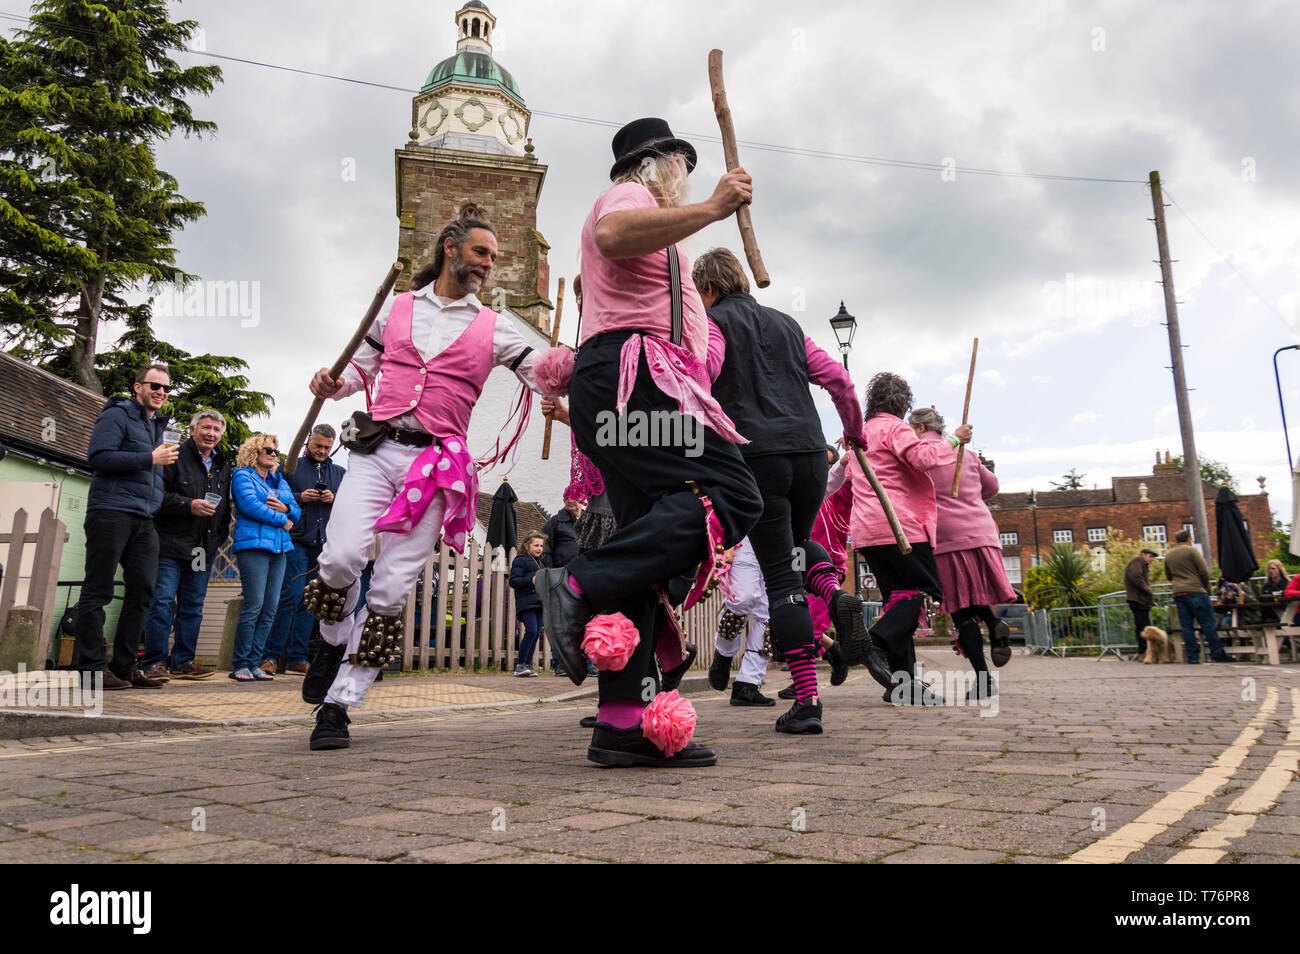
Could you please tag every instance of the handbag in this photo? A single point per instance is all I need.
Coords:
(362, 434)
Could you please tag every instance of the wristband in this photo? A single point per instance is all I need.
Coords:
(952, 440)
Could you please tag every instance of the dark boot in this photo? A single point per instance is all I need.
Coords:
(565, 616)
(320, 674)
(839, 668)
(720, 671)
(623, 748)
(331, 730)
(747, 694)
(1000, 643)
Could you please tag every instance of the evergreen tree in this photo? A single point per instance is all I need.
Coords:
(85, 213)
(1071, 481)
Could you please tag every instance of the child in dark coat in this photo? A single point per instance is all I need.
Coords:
(528, 608)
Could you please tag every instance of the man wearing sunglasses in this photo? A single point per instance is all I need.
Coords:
(127, 456)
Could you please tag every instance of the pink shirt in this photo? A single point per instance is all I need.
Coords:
(965, 522)
(901, 461)
(633, 294)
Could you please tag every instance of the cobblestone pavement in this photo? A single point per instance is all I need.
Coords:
(1083, 760)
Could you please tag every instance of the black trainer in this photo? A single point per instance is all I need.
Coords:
(802, 719)
(331, 730)
(850, 627)
(671, 679)
(565, 616)
(788, 692)
(747, 694)
(623, 748)
(839, 668)
(912, 693)
(320, 674)
(1000, 644)
(877, 663)
(720, 671)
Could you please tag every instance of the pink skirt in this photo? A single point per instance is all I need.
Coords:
(973, 578)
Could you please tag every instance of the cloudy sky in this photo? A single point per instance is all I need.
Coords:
(1055, 276)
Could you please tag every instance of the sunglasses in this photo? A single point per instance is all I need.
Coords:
(155, 386)
(270, 450)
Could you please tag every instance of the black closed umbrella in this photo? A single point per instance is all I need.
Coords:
(1236, 555)
(503, 529)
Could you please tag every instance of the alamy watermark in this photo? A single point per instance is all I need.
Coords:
(650, 429)
(58, 689)
(213, 299)
(951, 688)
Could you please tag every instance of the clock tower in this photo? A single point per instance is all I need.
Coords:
(469, 150)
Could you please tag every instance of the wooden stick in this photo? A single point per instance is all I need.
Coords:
(965, 413)
(555, 340)
(381, 295)
(883, 497)
(729, 152)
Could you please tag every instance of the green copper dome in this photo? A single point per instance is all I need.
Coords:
(472, 67)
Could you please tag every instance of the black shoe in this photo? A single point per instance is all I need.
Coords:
(787, 692)
(559, 670)
(839, 668)
(331, 730)
(623, 748)
(878, 663)
(720, 671)
(320, 675)
(1223, 657)
(984, 687)
(1000, 643)
(565, 616)
(802, 719)
(671, 679)
(912, 693)
(587, 722)
(851, 628)
(747, 694)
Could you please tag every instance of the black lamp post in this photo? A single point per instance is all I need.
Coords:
(844, 325)
(1033, 510)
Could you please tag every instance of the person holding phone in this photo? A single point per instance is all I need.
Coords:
(314, 484)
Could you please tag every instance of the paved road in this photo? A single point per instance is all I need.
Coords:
(1084, 761)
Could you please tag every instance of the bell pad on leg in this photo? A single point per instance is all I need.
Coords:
(381, 640)
(731, 625)
(325, 602)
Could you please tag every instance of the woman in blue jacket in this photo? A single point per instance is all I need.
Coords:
(265, 512)
(528, 608)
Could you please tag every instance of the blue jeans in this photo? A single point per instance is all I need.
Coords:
(178, 595)
(1196, 606)
(260, 573)
(532, 620)
(293, 623)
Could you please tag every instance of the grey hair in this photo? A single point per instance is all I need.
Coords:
(888, 394)
(664, 175)
(928, 418)
(207, 413)
(323, 430)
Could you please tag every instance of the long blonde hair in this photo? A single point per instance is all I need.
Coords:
(1281, 570)
(664, 175)
(248, 451)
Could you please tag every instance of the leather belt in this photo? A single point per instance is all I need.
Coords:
(410, 438)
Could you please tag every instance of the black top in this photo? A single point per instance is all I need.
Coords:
(561, 538)
(180, 532)
(763, 384)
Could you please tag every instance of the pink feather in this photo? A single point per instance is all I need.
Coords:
(553, 371)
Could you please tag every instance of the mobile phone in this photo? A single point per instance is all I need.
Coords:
(321, 485)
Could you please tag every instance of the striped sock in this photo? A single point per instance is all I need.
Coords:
(803, 671)
(822, 581)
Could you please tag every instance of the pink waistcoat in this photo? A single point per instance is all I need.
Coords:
(441, 393)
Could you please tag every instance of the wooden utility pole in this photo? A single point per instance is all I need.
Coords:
(1191, 463)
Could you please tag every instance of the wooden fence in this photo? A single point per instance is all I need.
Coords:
(471, 599)
(40, 573)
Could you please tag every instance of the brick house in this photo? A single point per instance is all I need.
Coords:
(1151, 508)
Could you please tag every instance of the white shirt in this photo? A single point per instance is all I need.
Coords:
(435, 324)
(835, 475)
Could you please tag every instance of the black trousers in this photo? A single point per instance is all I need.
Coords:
(896, 571)
(792, 487)
(661, 523)
(1141, 620)
(115, 537)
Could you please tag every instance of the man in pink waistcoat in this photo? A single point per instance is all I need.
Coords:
(432, 351)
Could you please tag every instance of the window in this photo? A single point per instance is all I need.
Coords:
(1096, 534)
(1012, 565)
(1010, 539)
(1190, 529)
(1154, 533)
(1062, 536)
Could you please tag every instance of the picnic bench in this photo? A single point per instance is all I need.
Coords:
(1254, 641)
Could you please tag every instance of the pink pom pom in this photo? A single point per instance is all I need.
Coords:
(610, 640)
(669, 722)
(553, 371)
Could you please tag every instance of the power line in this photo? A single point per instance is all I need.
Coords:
(777, 148)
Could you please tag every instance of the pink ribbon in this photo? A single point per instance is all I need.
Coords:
(678, 374)
(444, 468)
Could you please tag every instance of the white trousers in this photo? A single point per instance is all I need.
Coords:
(372, 482)
(751, 601)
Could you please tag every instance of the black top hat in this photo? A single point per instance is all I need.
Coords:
(647, 137)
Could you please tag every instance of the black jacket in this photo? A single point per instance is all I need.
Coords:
(561, 538)
(521, 579)
(763, 384)
(310, 530)
(121, 455)
(179, 531)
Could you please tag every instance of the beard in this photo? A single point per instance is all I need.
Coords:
(469, 277)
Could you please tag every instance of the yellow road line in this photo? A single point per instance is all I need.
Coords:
(1134, 836)
(1211, 845)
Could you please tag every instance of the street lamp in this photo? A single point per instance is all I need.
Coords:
(844, 325)
(1033, 510)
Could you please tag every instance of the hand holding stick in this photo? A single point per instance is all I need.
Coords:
(555, 339)
(965, 414)
(732, 157)
(883, 497)
(381, 295)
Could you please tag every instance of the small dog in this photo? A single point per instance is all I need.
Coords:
(1157, 645)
